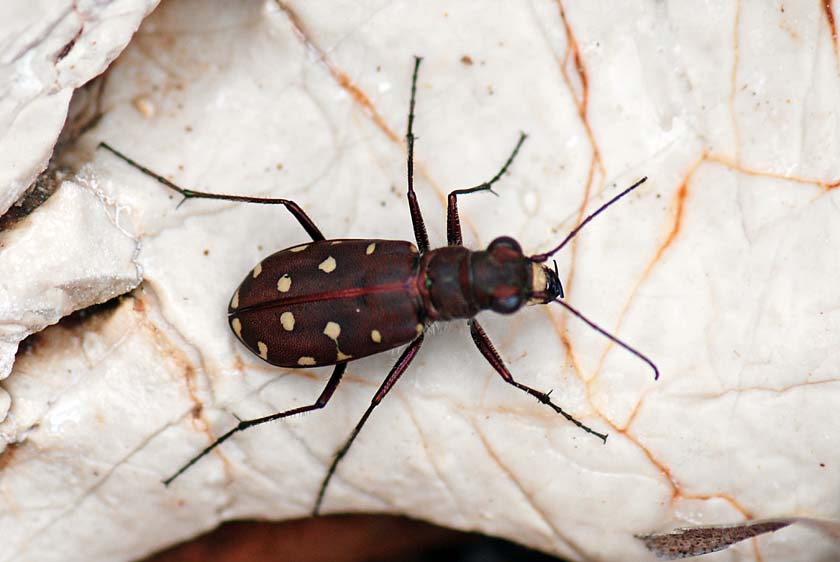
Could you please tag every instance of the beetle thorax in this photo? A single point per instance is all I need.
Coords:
(455, 282)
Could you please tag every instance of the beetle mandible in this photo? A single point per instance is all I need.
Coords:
(331, 301)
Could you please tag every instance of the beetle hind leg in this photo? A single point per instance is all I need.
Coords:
(417, 222)
(322, 400)
(297, 212)
(485, 346)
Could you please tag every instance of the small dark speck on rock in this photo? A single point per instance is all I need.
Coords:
(206, 252)
(467, 60)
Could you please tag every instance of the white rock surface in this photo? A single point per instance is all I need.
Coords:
(723, 268)
(48, 49)
(68, 255)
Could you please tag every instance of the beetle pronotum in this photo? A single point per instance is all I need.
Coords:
(328, 302)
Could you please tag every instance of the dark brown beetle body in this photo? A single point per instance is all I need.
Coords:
(329, 302)
(332, 301)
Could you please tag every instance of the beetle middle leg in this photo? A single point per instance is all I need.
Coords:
(485, 346)
(396, 371)
(453, 221)
(300, 215)
(322, 400)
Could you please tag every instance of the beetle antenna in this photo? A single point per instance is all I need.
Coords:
(606, 334)
(543, 257)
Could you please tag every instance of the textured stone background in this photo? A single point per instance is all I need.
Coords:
(723, 268)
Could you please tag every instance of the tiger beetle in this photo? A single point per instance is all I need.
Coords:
(329, 302)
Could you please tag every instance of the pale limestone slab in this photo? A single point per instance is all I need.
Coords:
(47, 50)
(723, 268)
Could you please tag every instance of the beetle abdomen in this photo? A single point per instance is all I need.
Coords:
(329, 301)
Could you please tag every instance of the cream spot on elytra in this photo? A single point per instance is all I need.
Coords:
(328, 265)
(299, 248)
(334, 242)
(263, 350)
(284, 283)
(371, 248)
(257, 271)
(376, 336)
(341, 356)
(332, 330)
(236, 324)
(287, 320)
(419, 328)
(234, 302)
(306, 361)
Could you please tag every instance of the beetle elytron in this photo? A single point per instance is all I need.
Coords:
(328, 302)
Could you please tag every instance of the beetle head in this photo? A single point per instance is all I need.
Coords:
(500, 276)
(504, 279)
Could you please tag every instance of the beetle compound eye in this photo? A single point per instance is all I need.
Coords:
(507, 305)
(504, 243)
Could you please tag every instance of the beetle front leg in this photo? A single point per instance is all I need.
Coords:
(396, 371)
(322, 400)
(453, 221)
(295, 209)
(485, 346)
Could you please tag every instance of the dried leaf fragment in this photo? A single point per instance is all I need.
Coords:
(693, 541)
